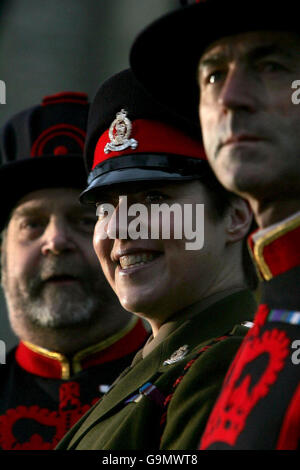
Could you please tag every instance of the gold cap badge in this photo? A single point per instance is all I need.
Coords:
(119, 133)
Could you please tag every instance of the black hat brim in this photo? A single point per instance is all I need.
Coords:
(165, 56)
(25, 176)
(115, 178)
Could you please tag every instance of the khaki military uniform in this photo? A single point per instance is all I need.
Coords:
(163, 400)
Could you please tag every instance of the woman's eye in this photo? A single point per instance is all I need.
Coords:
(155, 197)
(86, 223)
(103, 210)
(100, 212)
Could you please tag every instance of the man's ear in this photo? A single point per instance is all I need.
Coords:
(2, 249)
(239, 219)
(1, 262)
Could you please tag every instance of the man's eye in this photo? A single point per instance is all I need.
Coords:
(210, 75)
(30, 225)
(31, 228)
(271, 66)
(214, 77)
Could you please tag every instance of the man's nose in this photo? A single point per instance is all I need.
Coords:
(57, 237)
(239, 90)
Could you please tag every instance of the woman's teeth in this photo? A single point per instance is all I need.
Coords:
(138, 259)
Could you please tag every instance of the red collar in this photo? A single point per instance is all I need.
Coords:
(275, 249)
(50, 364)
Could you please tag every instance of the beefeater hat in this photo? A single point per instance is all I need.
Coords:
(42, 147)
(165, 55)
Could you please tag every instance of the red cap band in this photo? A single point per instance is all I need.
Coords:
(152, 137)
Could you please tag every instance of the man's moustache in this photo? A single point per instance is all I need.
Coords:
(48, 273)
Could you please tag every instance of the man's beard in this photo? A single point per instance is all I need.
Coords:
(56, 307)
(50, 305)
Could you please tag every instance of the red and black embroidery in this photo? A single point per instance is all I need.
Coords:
(250, 378)
(46, 427)
(289, 437)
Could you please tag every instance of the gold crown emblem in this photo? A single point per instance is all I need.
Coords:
(119, 134)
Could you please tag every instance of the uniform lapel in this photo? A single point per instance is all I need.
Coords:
(216, 320)
(128, 384)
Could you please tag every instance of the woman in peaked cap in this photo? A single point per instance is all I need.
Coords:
(138, 153)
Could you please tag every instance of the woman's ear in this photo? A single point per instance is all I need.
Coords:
(239, 219)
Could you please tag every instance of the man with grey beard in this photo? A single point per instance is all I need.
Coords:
(74, 336)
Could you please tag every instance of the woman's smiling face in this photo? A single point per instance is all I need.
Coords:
(155, 278)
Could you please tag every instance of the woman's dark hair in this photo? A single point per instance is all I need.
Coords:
(221, 199)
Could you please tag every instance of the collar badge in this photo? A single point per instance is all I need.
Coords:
(119, 133)
(177, 355)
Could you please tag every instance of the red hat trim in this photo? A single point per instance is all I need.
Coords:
(67, 130)
(152, 137)
(66, 97)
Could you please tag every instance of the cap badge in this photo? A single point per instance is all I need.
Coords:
(119, 133)
(177, 355)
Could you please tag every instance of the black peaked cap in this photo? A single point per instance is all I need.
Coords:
(123, 92)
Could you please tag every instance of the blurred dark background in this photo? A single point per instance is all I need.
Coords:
(64, 45)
